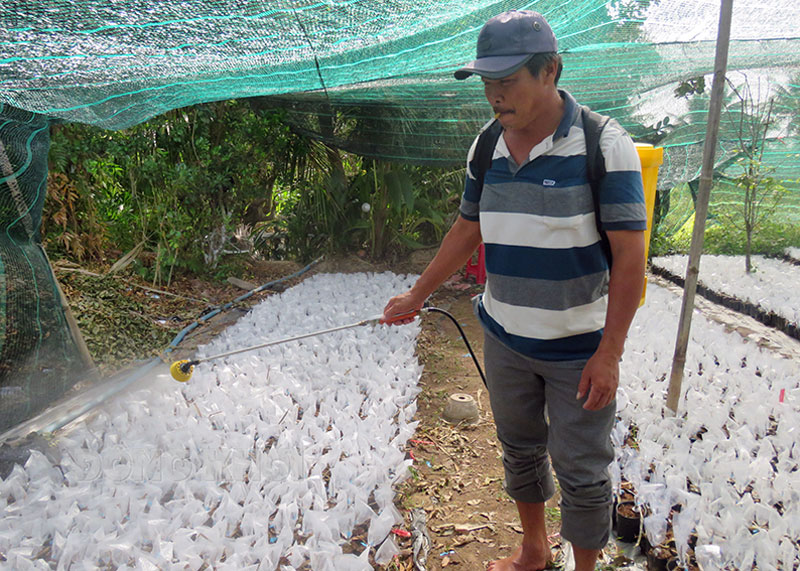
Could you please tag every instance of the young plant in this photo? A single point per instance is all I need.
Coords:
(760, 193)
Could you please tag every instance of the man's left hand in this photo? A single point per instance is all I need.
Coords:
(600, 379)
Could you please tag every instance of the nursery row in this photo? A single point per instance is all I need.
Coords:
(769, 294)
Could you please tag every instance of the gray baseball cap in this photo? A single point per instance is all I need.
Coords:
(507, 41)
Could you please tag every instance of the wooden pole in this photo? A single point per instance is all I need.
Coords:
(701, 209)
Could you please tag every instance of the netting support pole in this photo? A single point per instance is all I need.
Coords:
(701, 207)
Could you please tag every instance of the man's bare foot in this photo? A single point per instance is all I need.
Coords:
(520, 561)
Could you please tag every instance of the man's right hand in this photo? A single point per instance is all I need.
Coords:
(457, 246)
(405, 303)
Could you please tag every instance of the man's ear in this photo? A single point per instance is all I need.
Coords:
(550, 70)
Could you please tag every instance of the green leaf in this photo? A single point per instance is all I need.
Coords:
(394, 188)
(407, 187)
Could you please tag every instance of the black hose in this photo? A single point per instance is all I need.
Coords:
(464, 337)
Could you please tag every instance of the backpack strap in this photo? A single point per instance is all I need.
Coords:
(484, 148)
(593, 125)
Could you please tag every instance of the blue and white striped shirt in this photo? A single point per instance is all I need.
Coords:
(547, 276)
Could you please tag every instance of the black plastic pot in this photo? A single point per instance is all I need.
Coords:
(658, 558)
(623, 496)
(628, 522)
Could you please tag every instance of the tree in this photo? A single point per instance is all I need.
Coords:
(761, 194)
(173, 189)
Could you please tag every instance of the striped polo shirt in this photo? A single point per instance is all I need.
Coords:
(547, 276)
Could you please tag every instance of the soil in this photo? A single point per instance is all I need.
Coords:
(628, 510)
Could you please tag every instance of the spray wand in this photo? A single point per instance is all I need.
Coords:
(182, 370)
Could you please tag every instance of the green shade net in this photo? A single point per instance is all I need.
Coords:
(384, 69)
(375, 77)
(39, 361)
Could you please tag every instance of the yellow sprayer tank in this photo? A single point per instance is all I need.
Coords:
(651, 158)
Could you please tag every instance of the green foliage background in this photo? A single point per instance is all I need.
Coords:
(176, 189)
(673, 232)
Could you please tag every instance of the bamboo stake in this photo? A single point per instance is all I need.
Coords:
(701, 209)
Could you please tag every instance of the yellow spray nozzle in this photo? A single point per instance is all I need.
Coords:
(182, 371)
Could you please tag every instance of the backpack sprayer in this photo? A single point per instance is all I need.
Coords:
(182, 370)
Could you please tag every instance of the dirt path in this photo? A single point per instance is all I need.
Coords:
(458, 475)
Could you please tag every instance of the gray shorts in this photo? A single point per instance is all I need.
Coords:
(536, 412)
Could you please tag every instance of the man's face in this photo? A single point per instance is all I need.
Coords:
(517, 98)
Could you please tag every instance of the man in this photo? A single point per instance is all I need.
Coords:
(555, 317)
